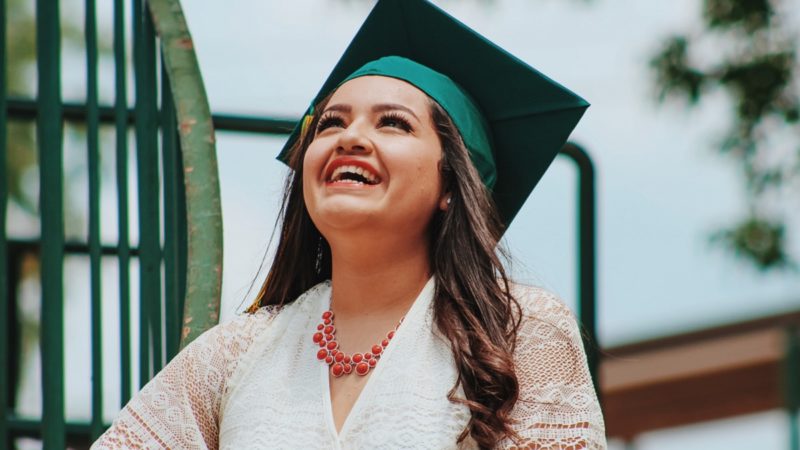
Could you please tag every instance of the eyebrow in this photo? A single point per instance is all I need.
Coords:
(339, 107)
(382, 107)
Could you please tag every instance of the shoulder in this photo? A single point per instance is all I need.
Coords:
(536, 300)
(544, 310)
(557, 401)
(548, 335)
(234, 336)
(249, 322)
(241, 330)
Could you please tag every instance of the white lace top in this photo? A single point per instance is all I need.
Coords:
(255, 383)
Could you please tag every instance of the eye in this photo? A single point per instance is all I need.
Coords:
(329, 120)
(395, 120)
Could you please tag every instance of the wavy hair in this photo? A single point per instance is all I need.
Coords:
(472, 307)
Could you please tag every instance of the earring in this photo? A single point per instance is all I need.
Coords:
(448, 200)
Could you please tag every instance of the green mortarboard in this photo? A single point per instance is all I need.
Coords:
(529, 116)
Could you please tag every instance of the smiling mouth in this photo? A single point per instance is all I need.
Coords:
(353, 175)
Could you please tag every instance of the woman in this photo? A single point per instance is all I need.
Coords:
(387, 319)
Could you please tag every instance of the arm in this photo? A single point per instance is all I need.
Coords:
(179, 408)
(557, 407)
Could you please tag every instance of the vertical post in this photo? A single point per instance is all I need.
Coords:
(93, 120)
(148, 187)
(123, 246)
(51, 189)
(172, 216)
(5, 364)
(154, 248)
(587, 257)
(792, 385)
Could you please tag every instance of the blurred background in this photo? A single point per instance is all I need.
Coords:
(694, 137)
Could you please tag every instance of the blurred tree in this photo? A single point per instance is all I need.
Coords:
(755, 65)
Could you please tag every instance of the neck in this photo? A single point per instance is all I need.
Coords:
(377, 277)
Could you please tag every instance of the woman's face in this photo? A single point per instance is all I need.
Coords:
(374, 161)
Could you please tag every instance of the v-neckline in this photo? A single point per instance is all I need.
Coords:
(410, 320)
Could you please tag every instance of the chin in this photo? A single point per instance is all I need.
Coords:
(343, 214)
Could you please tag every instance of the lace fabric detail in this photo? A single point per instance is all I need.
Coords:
(557, 406)
(255, 383)
(179, 407)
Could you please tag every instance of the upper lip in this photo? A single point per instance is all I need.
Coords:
(349, 161)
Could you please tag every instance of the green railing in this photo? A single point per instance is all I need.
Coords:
(175, 174)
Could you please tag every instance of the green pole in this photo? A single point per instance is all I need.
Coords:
(148, 190)
(5, 390)
(792, 385)
(197, 142)
(172, 214)
(587, 257)
(51, 190)
(93, 121)
(152, 229)
(123, 245)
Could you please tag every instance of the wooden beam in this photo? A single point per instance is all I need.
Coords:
(720, 373)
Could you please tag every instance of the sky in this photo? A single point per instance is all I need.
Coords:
(661, 187)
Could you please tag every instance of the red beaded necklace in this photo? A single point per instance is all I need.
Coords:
(340, 362)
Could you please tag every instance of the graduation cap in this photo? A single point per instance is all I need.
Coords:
(524, 117)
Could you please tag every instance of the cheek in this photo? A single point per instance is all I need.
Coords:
(421, 173)
(428, 169)
(313, 161)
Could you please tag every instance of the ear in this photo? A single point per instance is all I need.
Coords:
(444, 202)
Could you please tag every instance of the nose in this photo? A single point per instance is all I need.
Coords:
(353, 139)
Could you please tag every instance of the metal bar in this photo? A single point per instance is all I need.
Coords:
(122, 117)
(138, 68)
(6, 390)
(182, 232)
(49, 128)
(77, 433)
(93, 150)
(24, 109)
(69, 247)
(261, 125)
(794, 431)
(203, 209)
(171, 212)
(148, 187)
(791, 385)
(153, 203)
(587, 256)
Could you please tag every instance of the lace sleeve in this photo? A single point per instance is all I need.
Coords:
(179, 408)
(557, 407)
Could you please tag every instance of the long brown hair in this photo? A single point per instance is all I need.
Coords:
(472, 307)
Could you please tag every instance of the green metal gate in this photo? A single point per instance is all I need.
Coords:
(175, 173)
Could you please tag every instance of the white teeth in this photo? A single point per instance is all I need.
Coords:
(337, 173)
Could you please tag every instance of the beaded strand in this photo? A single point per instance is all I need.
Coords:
(340, 362)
